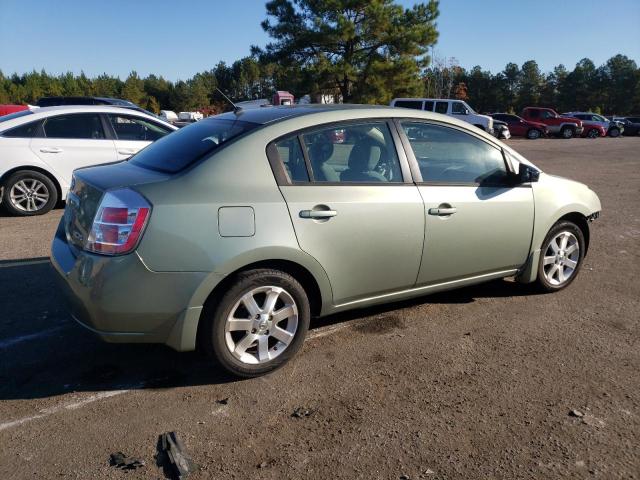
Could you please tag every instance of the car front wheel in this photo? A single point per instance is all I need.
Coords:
(533, 134)
(614, 132)
(259, 323)
(561, 256)
(593, 133)
(28, 193)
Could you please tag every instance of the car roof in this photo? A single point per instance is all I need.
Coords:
(265, 115)
(44, 112)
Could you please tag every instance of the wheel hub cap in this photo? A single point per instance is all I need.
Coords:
(261, 325)
(561, 258)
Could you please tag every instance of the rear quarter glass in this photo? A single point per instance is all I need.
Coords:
(184, 147)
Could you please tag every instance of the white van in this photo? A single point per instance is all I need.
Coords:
(447, 106)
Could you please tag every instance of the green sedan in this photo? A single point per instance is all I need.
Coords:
(230, 234)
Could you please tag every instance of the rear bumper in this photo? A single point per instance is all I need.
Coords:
(122, 301)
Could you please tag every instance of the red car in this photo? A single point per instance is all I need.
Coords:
(519, 127)
(566, 127)
(593, 130)
(7, 109)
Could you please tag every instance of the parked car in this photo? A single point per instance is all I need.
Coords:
(520, 127)
(611, 128)
(65, 101)
(7, 109)
(501, 130)
(41, 148)
(566, 127)
(593, 130)
(268, 217)
(455, 108)
(168, 116)
(631, 125)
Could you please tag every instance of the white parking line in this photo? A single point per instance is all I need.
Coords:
(65, 406)
(22, 263)
(10, 342)
(316, 333)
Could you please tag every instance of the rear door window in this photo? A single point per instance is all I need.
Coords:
(129, 127)
(415, 104)
(353, 153)
(442, 107)
(77, 125)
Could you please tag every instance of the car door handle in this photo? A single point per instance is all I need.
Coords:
(50, 150)
(127, 151)
(318, 214)
(443, 211)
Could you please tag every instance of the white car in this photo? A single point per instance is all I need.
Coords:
(40, 148)
(447, 106)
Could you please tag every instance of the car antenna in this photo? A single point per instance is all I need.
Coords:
(236, 109)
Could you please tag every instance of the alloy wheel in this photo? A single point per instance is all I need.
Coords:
(567, 133)
(593, 133)
(561, 258)
(29, 195)
(261, 325)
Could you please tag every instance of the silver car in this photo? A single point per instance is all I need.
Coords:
(232, 233)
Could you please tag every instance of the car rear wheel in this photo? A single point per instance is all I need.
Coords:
(258, 324)
(28, 193)
(614, 132)
(593, 133)
(567, 132)
(561, 256)
(533, 134)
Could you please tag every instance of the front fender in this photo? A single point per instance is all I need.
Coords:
(555, 197)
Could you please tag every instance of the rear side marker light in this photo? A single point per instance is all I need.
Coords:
(119, 223)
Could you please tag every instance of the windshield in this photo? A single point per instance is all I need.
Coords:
(11, 116)
(183, 147)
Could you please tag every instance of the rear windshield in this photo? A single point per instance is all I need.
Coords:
(181, 148)
(11, 116)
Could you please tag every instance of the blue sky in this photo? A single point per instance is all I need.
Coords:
(179, 38)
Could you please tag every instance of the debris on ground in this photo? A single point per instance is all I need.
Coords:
(121, 461)
(301, 412)
(263, 465)
(173, 458)
(576, 413)
(223, 401)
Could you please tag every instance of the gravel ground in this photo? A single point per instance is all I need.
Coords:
(474, 383)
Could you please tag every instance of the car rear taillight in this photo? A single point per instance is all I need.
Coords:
(119, 222)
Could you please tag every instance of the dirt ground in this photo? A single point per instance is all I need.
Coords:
(474, 383)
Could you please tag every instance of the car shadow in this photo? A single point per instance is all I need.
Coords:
(44, 353)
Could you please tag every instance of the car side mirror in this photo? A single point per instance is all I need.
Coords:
(466, 111)
(527, 173)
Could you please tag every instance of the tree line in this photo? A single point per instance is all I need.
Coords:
(353, 51)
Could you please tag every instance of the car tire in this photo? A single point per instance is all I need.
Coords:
(614, 132)
(534, 134)
(567, 133)
(593, 133)
(29, 193)
(239, 333)
(561, 256)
